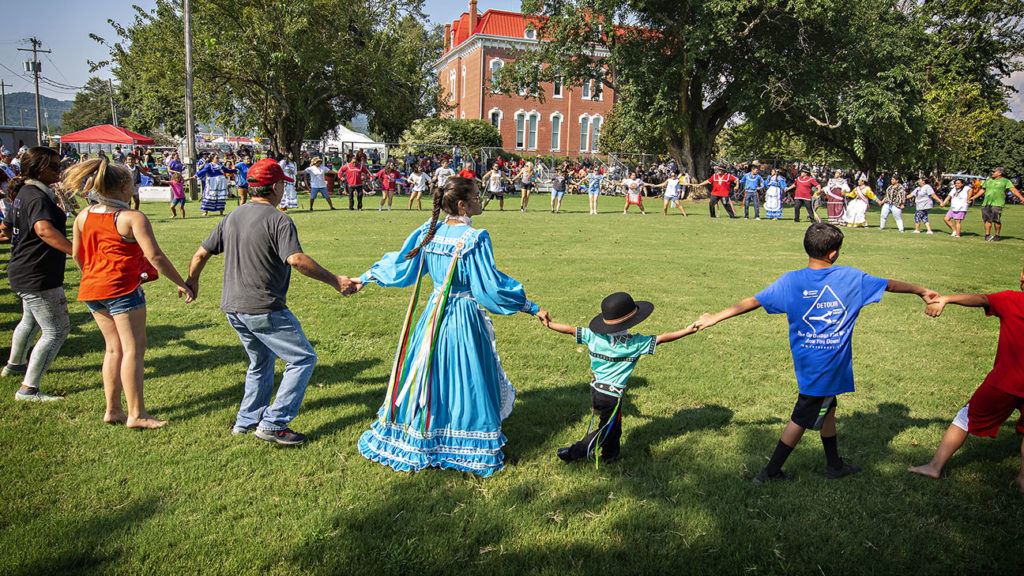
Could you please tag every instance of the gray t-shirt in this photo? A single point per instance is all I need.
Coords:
(256, 240)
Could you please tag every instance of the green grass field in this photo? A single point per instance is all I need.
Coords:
(701, 418)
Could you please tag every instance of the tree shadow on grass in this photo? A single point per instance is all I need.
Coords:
(89, 546)
(541, 414)
(659, 428)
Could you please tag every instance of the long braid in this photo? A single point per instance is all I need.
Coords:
(438, 195)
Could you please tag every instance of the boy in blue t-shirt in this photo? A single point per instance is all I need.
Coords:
(821, 302)
(614, 353)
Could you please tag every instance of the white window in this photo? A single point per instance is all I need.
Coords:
(556, 131)
(596, 89)
(534, 121)
(585, 91)
(463, 81)
(520, 130)
(595, 133)
(496, 64)
(451, 85)
(556, 88)
(495, 117)
(584, 132)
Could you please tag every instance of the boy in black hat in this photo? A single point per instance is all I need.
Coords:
(614, 353)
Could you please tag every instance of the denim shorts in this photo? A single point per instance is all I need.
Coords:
(557, 193)
(178, 202)
(119, 304)
(321, 192)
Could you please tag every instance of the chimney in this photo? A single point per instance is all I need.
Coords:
(472, 16)
(447, 36)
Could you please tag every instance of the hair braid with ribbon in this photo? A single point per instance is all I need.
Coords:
(447, 198)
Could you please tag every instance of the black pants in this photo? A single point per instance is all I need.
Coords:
(796, 209)
(725, 202)
(604, 405)
(354, 191)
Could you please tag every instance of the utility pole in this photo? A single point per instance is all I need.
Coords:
(3, 100)
(113, 109)
(190, 134)
(35, 68)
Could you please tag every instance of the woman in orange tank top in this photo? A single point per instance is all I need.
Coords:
(115, 248)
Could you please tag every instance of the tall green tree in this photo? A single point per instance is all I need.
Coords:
(290, 70)
(680, 70)
(91, 107)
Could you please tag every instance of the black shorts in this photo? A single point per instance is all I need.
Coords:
(498, 195)
(810, 411)
(526, 187)
(993, 214)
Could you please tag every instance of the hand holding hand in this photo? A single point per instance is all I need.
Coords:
(703, 322)
(346, 285)
(544, 317)
(934, 309)
(193, 286)
(187, 292)
(930, 296)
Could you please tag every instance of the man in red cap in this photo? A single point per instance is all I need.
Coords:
(260, 247)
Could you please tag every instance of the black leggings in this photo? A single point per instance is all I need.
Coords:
(604, 405)
(725, 202)
(806, 203)
(353, 193)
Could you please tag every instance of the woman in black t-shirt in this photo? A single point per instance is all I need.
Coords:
(39, 245)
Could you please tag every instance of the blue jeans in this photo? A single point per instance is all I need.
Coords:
(265, 338)
(747, 197)
(44, 314)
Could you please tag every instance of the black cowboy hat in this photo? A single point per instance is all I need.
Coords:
(619, 312)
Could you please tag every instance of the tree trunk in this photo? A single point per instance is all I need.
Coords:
(692, 152)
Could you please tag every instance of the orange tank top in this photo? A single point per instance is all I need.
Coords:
(111, 266)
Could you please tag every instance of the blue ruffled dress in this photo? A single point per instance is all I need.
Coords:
(470, 393)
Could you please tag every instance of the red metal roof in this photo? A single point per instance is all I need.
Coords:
(492, 23)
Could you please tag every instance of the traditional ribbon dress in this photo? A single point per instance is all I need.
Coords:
(290, 200)
(448, 393)
(835, 191)
(215, 190)
(773, 196)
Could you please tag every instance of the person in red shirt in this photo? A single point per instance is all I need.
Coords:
(721, 184)
(388, 177)
(1001, 393)
(467, 172)
(353, 173)
(804, 185)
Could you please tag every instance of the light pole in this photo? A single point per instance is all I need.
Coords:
(35, 67)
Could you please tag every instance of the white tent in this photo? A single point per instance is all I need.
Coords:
(344, 139)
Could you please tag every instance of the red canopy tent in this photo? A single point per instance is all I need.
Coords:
(106, 134)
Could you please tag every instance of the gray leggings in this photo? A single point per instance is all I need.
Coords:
(43, 312)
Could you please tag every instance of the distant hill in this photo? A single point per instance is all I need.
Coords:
(26, 101)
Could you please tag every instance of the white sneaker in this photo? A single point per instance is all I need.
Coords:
(378, 208)
(930, 232)
(758, 219)
(917, 231)
(953, 234)
(37, 397)
(623, 211)
(642, 212)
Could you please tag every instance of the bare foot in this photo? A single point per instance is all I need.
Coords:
(147, 422)
(926, 470)
(118, 417)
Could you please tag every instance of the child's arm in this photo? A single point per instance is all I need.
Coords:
(545, 319)
(741, 307)
(670, 336)
(971, 300)
(929, 296)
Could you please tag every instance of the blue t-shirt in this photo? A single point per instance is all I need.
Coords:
(822, 307)
(751, 182)
(243, 174)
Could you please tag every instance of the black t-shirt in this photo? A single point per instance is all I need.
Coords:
(34, 265)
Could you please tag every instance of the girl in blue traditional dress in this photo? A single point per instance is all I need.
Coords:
(448, 393)
(215, 191)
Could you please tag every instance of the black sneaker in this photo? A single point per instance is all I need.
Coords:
(283, 437)
(988, 237)
(842, 472)
(763, 477)
(996, 238)
(565, 454)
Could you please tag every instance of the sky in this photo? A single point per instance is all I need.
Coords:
(67, 26)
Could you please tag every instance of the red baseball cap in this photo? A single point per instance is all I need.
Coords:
(266, 172)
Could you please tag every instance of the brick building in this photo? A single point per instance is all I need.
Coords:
(476, 47)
